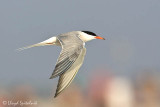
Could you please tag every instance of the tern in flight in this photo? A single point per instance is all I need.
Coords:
(71, 56)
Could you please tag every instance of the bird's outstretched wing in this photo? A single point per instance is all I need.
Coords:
(66, 78)
(72, 46)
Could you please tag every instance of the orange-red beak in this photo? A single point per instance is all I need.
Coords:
(98, 37)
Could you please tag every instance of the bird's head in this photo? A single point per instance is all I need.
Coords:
(88, 35)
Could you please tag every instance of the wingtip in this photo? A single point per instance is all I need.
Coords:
(51, 77)
(56, 94)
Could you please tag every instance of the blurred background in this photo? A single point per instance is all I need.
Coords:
(122, 71)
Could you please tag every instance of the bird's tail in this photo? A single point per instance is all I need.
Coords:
(50, 41)
(27, 47)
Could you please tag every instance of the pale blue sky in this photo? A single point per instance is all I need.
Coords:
(131, 27)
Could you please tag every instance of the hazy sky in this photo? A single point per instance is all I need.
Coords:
(131, 29)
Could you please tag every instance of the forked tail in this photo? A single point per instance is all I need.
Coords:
(50, 41)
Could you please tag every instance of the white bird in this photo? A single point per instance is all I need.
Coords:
(71, 56)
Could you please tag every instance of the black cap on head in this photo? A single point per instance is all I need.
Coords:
(90, 33)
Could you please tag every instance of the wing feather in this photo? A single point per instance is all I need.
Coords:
(72, 46)
(66, 78)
